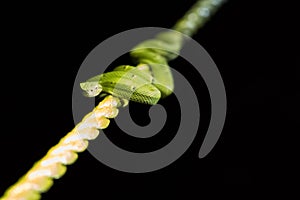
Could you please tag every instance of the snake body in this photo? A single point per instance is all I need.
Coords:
(146, 83)
(152, 78)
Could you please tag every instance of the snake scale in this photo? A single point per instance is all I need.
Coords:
(151, 79)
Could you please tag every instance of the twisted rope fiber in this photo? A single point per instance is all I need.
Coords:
(39, 178)
(53, 165)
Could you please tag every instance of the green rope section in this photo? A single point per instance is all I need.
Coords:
(196, 17)
(152, 58)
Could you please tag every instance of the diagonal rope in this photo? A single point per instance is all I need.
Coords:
(53, 165)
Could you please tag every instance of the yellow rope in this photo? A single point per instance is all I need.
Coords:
(53, 165)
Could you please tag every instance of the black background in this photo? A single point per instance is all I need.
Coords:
(44, 45)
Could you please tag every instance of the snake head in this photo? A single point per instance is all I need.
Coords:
(91, 89)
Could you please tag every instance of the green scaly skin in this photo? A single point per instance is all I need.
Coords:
(152, 78)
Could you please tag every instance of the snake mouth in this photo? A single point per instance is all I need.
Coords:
(86, 94)
(91, 93)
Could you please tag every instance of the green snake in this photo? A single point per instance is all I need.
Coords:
(151, 79)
